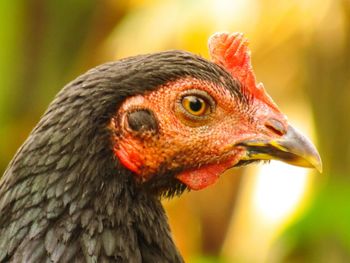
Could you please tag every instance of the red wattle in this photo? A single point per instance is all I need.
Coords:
(197, 179)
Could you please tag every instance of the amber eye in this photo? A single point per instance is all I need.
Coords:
(195, 105)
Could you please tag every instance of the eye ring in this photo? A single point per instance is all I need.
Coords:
(196, 104)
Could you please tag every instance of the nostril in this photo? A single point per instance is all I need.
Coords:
(276, 126)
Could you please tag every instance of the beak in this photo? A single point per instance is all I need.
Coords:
(293, 148)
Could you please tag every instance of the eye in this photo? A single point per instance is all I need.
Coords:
(195, 105)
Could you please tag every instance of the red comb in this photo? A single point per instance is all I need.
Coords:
(231, 52)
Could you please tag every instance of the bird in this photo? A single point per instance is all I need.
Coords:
(87, 184)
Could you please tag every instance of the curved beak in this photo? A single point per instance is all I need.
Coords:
(293, 148)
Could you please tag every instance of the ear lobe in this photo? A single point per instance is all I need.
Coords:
(231, 52)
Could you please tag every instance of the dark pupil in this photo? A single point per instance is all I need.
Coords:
(196, 104)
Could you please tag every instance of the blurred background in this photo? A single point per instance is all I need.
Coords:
(300, 51)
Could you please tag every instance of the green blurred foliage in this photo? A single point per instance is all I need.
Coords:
(39, 43)
(322, 234)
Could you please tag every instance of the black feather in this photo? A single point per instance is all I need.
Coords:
(64, 197)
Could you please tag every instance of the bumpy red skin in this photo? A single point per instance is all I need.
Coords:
(202, 149)
(181, 142)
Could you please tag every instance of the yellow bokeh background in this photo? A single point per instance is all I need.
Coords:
(300, 51)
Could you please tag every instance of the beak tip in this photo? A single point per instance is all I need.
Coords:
(292, 148)
(317, 164)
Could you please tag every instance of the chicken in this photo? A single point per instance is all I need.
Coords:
(86, 184)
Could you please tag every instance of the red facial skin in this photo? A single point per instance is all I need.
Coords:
(203, 148)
